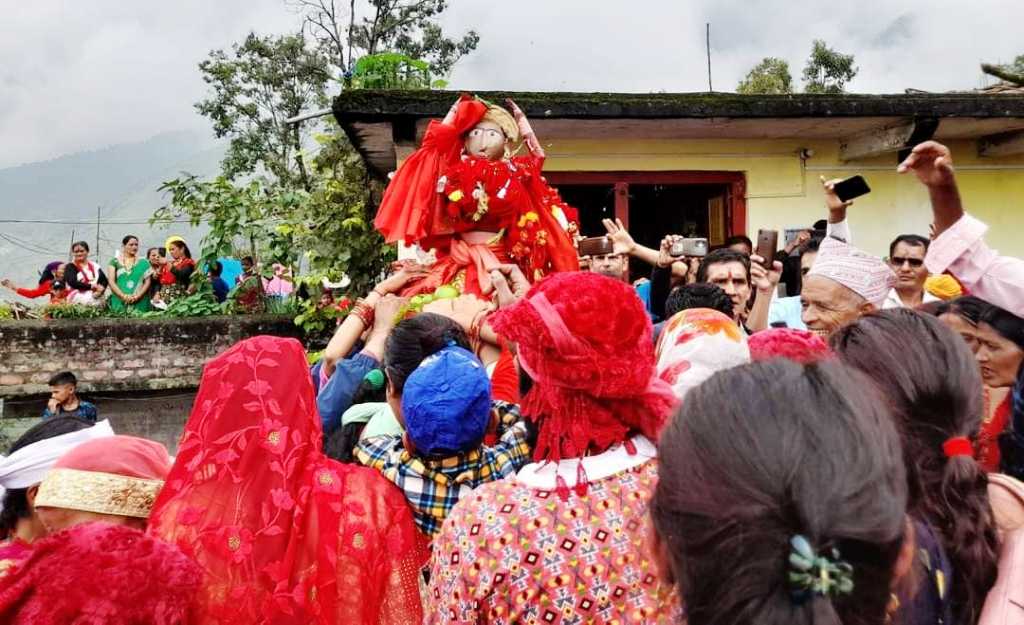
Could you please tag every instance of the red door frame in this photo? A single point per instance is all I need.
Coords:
(735, 201)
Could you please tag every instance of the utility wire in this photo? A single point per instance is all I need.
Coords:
(92, 222)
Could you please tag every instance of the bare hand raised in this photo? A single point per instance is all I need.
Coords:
(622, 241)
(932, 162)
(510, 284)
(764, 280)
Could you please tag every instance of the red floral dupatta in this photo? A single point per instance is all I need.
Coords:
(282, 533)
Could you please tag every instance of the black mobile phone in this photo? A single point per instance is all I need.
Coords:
(852, 187)
(596, 246)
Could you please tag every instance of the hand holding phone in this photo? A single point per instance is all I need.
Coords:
(851, 188)
(767, 244)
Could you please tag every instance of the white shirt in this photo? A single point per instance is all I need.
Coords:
(892, 300)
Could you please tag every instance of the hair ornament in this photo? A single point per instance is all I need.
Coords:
(814, 574)
(376, 379)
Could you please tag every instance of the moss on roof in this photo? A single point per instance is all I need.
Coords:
(376, 106)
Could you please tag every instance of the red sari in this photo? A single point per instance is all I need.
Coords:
(284, 534)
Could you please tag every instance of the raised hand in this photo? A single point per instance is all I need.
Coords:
(397, 281)
(665, 259)
(386, 312)
(525, 130)
(622, 241)
(510, 284)
(832, 200)
(764, 280)
(932, 163)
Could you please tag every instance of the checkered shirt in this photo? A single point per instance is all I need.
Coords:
(433, 486)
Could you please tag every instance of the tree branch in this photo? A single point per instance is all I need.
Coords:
(1003, 73)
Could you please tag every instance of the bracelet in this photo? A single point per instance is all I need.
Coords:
(474, 331)
(363, 311)
(379, 293)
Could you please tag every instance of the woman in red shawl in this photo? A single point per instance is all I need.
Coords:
(464, 195)
(283, 534)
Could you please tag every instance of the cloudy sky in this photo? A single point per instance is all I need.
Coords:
(84, 74)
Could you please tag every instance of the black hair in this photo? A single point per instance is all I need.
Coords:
(341, 443)
(821, 224)
(184, 246)
(216, 268)
(81, 244)
(913, 240)
(1008, 325)
(739, 238)
(812, 244)
(128, 237)
(821, 460)
(64, 377)
(161, 251)
(15, 501)
(720, 256)
(248, 259)
(698, 295)
(414, 339)
(931, 382)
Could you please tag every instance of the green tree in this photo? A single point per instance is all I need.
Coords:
(284, 194)
(770, 76)
(827, 71)
(256, 87)
(369, 27)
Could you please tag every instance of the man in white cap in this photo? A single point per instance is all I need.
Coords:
(844, 284)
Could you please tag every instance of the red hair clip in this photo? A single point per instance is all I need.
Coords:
(958, 446)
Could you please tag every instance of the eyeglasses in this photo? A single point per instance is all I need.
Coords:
(897, 261)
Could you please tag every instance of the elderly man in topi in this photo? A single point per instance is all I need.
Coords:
(844, 284)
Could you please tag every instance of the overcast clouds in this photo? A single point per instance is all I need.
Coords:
(84, 74)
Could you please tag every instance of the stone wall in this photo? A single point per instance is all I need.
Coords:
(121, 354)
(140, 373)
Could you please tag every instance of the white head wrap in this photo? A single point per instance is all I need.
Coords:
(30, 464)
(862, 273)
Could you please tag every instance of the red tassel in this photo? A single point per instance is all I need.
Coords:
(581, 480)
(561, 488)
(630, 446)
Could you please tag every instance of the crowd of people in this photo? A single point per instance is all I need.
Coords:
(131, 282)
(568, 447)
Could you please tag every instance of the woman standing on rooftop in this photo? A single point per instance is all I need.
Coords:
(127, 272)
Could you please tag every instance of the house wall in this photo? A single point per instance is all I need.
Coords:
(783, 193)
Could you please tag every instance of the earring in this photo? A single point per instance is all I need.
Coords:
(892, 608)
(508, 153)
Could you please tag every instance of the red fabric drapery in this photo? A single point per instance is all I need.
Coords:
(283, 534)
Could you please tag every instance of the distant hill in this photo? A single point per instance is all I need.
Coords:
(121, 180)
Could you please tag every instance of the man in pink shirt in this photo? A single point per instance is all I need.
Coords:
(958, 246)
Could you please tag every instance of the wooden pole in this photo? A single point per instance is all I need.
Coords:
(97, 255)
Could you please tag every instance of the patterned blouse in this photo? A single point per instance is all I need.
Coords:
(510, 553)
